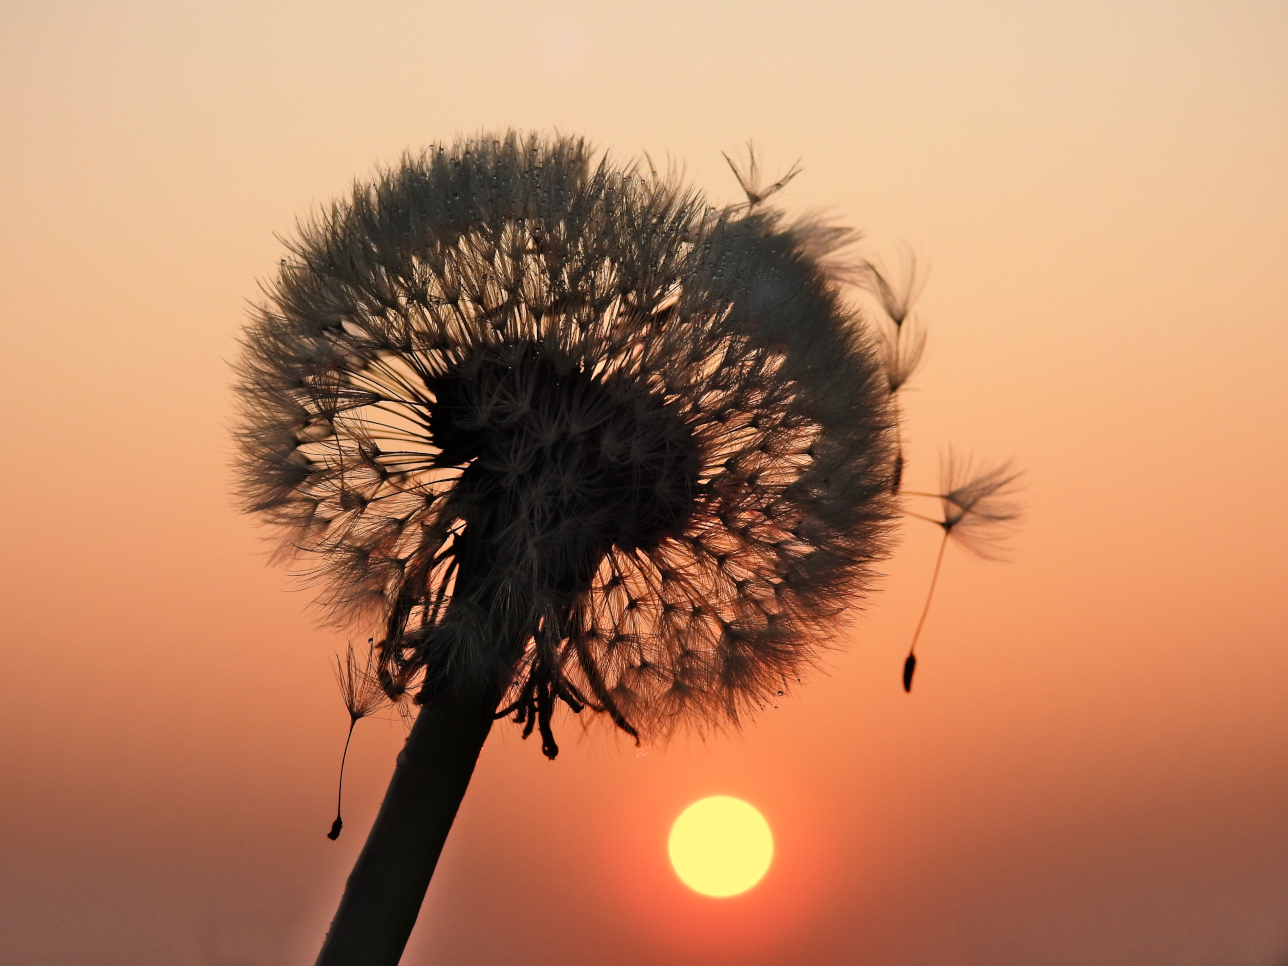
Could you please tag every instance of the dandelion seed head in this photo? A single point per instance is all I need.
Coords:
(549, 423)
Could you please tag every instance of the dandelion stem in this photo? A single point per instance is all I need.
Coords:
(384, 893)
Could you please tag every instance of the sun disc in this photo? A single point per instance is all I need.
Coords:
(720, 846)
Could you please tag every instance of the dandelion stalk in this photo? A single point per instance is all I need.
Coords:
(565, 435)
(383, 895)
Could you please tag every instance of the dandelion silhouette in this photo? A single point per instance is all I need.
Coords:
(979, 511)
(565, 434)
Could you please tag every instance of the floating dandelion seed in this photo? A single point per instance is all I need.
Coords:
(897, 298)
(564, 433)
(979, 511)
(362, 694)
(903, 342)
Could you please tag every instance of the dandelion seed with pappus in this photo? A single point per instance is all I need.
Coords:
(902, 340)
(362, 695)
(979, 511)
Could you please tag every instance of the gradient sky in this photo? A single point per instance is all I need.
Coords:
(1093, 768)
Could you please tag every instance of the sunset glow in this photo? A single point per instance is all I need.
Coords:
(721, 846)
(1089, 199)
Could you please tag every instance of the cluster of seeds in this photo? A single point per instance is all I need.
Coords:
(552, 424)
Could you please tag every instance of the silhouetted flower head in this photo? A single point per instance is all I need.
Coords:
(564, 427)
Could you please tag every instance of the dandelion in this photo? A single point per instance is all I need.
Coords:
(360, 689)
(979, 511)
(564, 434)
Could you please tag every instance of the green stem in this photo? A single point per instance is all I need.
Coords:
(387, 886)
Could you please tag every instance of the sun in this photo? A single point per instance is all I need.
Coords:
(720, 846)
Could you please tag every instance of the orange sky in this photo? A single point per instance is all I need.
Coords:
(1093, 768)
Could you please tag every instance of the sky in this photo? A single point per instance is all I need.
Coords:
(1092, 769)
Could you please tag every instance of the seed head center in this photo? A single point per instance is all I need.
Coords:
(574, 462)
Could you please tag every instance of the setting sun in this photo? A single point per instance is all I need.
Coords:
(720, 846)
